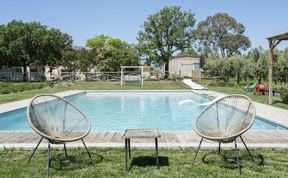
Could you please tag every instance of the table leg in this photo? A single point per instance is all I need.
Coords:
(157, 157)
(126, 154)
(129, 148)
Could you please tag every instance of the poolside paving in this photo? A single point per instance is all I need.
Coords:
(275, 139)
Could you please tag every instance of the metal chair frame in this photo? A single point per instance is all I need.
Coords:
(231, 139)
(57, 140)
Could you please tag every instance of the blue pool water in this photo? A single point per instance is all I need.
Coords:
(116, 111)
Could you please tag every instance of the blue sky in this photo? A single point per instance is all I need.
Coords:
(123, 18)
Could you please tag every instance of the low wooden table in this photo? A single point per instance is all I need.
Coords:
(140, 133)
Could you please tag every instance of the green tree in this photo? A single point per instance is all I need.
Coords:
(188, 52)
(237, 64)
(283, 67)
(20, 43)
(70, 59)
(109, 54)
(247, 72)
(219, 67)
(55, 43)
(23, 44)
(254, 54)
(77, 59)
(221, 33)
(261, 67)
(164, 33)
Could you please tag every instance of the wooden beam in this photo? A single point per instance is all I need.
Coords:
(283, 36)
(270, 70)
(275, 43)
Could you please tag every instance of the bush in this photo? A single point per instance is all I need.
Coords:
(6, 88)
(284, 96)
(9, 87)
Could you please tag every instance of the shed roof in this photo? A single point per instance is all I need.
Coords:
(185, 55)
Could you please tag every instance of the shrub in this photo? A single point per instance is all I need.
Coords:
(284, 96)
(6, 88)
(9, 87)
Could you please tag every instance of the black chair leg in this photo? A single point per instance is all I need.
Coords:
(35, 149)
(65, 150)
(197, 151)
(49, 159)
(87, 152)
(129, 149)
(126, 154)
(219, 148)
(157, 152)
(238, 159)
(247, 149)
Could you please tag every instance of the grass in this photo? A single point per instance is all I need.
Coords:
(234, 88)
(277, 101)
(148, 85)
(15, 87)
(173, 163)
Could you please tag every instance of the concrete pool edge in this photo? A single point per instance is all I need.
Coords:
(15, 105)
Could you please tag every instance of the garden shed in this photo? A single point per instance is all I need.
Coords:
(185, 66)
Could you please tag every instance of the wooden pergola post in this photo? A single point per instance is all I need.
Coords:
(273, 42)
(270, 74)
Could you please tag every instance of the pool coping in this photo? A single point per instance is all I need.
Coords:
(11, 106)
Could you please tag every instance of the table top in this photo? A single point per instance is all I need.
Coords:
(142, 133)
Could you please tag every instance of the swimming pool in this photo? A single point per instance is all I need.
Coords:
(118, 110)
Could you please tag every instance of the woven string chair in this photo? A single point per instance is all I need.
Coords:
(57, 120)
(225, 120)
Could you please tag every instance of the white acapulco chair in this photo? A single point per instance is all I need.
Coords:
(225, 120)
(57, 120)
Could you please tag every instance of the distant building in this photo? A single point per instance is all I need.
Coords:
(185, 66)
(33, 73)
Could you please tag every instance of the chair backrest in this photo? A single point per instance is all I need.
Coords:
(57, 119)
(226, 118)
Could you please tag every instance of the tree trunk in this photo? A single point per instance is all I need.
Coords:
(166, 74)
(238, 79)
(25, 73)
(50, 68)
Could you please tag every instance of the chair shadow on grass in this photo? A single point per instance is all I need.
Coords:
(72, 161)
(144, 161)
(227, 159)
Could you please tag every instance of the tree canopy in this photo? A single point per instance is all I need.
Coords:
(164, 33)
(26, 43)
(221, 33)
(253, 66)
(109, 54)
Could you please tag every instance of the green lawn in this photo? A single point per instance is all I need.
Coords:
(173, 163)
(233, 88)
(277, 101)
(152, 85)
